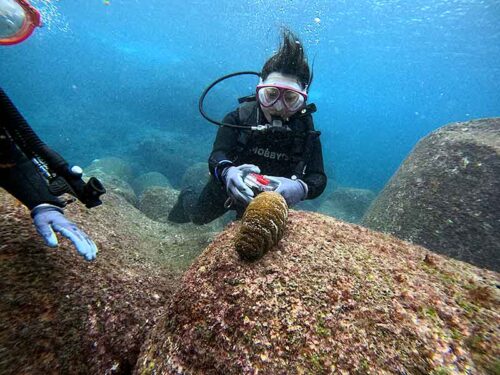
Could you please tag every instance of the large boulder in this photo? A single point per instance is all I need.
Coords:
(115, 174)
(149, 179)
(446, 194)
(156, 202)
(116, 185)
(112, 166)
(330, 298)
(196, 176)
(171, 155)
(348, 204)
(61, 314)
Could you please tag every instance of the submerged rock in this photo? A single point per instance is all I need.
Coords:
(445, 196)
(312, 204)
(348, 204)
(61, 314)
(115, 174)
(330, 298)
(156, 202)
(171, 154)
(114, 184)
(111, 166)
(147, 180)
(196, 176)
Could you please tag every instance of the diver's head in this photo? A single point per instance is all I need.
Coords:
(280, 95)
(18, 19)
(285, 79)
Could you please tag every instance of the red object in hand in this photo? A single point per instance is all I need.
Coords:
(259, 183)
(261, 179)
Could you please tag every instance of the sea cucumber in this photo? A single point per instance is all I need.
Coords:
(262, 225)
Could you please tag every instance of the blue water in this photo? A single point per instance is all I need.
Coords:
(98, 79)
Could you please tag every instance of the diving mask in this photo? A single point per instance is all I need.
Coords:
(18, 19)
(292, 99)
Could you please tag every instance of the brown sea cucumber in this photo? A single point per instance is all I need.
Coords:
(262, 225)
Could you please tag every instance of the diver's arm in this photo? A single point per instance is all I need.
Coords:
(21, 179)
(315, 176)
(224, 147)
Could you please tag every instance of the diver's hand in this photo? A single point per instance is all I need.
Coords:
(293, 191)
(49, 219)
(235, 186)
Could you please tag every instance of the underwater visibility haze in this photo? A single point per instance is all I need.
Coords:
(101, 77)
(114, 87)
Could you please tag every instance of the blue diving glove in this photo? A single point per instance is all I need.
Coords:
(49, 219)
(293, 191)
(235, 186)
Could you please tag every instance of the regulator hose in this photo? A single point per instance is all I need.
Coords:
(33, 147)
(205, 92)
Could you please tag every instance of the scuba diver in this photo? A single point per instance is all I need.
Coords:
(267, 143)
(29, 169)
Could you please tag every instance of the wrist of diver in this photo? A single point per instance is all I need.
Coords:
(220, 170)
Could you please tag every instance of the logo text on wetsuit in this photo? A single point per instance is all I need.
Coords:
(269, 154)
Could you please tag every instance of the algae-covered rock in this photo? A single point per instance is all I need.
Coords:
(115, 174)
(147, 180)
(111, 166)
(331, 298)
(309, 204)
(170, 154)
(114, 184)
(61, 314)
(348, 204)
(196, 176)
(156, 202)
(445, 196)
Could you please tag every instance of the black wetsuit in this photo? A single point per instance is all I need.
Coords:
(275, 153)
(19, 175)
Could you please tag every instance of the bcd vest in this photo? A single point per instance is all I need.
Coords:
(302, 128)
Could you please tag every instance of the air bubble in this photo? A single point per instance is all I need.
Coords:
(51, 17)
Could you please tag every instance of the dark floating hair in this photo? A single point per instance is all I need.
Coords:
(290, 59)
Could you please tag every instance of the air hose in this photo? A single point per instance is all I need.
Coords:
(66, 179)
(205, 92)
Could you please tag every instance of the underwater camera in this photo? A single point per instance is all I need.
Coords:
(60, 176)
